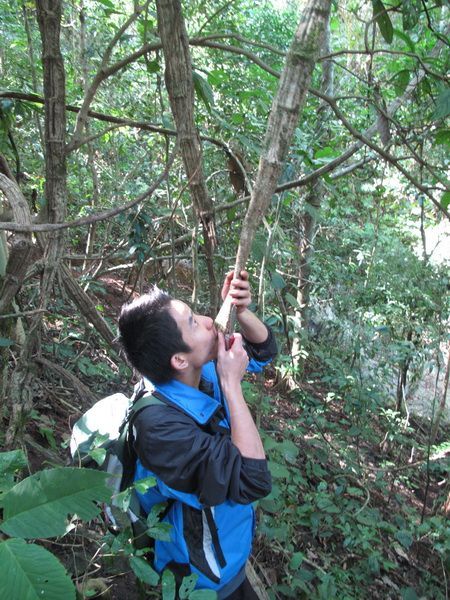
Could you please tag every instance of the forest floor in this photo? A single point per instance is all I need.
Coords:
(403, 567)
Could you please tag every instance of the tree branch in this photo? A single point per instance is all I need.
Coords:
(101, 216)
(100, 76)
(381, 151)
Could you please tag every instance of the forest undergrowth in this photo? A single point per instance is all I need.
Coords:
(358, 506)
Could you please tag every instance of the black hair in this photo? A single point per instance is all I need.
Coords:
(150, 335)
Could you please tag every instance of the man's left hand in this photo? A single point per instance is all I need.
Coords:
(239, 290)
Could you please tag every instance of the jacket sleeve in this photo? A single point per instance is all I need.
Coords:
(262, 353)
(190, 460)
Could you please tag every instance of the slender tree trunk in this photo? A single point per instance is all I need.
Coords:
(442, 404)
(307, 226)
(288, 102)
(403, 378)
(180, 87)
(90, 150)
(49, 20)
(307, 229)
(32, 66)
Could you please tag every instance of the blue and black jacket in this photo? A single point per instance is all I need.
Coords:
(186, 444)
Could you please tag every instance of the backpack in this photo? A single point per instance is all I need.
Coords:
(103, 439)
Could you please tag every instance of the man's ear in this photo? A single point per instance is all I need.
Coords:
(179, 362)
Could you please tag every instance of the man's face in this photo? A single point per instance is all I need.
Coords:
(198, 333)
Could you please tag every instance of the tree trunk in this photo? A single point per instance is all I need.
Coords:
(288, 102)
(307, 229)
(180, 87)
(308, 219)
(21, 252)
(87, 308)
(49, 20)
(441, 407)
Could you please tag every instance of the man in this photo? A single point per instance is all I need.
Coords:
(201, 444)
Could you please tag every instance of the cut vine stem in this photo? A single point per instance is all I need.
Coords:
(283, 120)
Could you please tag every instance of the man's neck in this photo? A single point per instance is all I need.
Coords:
(191, 378)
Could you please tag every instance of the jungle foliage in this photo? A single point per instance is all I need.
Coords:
(96, 204)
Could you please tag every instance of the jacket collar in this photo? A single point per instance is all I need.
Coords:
(192, 401)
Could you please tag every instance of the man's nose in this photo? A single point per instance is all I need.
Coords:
(208, 322)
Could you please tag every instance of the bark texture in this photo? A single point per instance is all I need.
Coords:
(21, 250)
(180, 87)
(307, 222)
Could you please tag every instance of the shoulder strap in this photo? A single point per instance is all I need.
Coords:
(143, 400)
(149, 399)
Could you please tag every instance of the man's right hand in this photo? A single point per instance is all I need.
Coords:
(232, 363)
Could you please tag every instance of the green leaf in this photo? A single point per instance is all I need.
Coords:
(203, 595)
(98, 454)
(442, 137)
(327, 505)
(292, 301)
(324, 155)
(143, 485)
(369, 516)
(153, 66)
(38, 506)
(203, 90)
(442, 104)
(12, 461)
(410, 13)
(296, 560)
(289, 450)
(161, 531)
(405, 37)
(144, 571)
(107, 4)
(374, 565)
(122, 500)
(153, 515)
(445, 200)
(404, 537)
(409, 593)
(278, 471)
(30, 572)
(278, 283)
(187, 586)
(401, 80)
(5, 342)
(168, 585)
(383, 20)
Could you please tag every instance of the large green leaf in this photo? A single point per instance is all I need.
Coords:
(38, 506)
(30, 572)
(383, 20)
